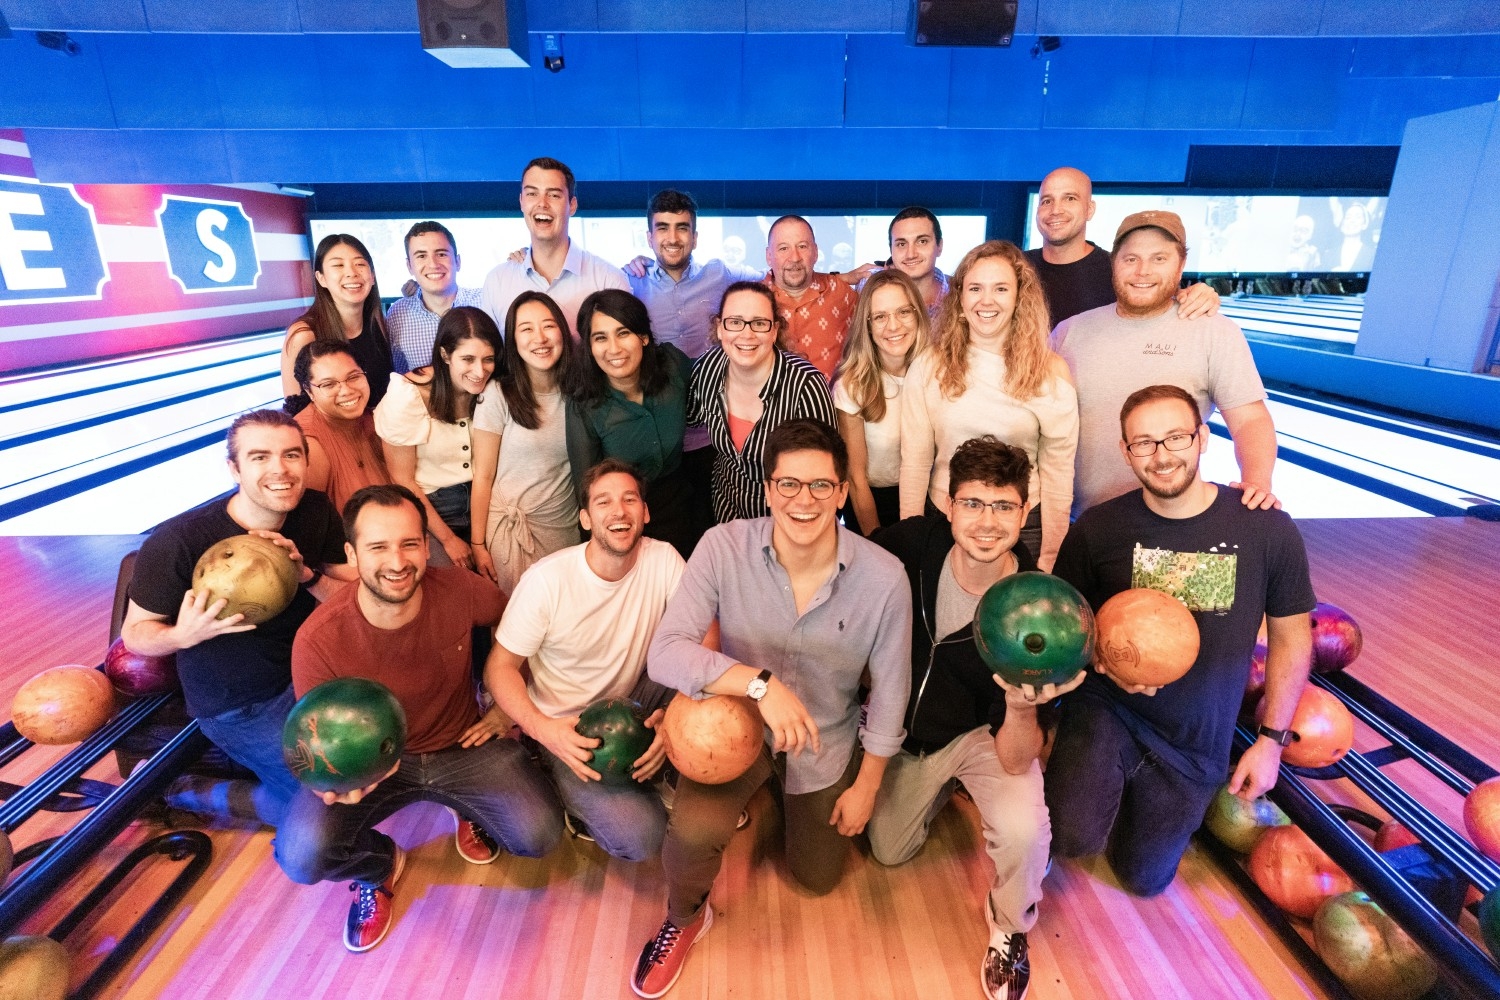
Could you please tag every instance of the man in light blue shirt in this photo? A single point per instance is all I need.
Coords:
(552, 264)
(412, 321)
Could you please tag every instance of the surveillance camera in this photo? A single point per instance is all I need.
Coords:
(554, 63)
(552, 54)
(58, 41)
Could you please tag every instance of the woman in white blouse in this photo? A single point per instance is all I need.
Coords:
(524, 506)
(887, 332)
(423, 423)
(991, 372)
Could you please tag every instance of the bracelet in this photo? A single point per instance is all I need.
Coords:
(317, 575)
(472, 542)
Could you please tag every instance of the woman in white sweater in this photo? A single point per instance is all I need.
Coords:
(992, 372)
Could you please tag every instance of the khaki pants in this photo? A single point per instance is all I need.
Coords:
(703, 821)
(1012, 812)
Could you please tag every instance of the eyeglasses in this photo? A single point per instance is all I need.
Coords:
(903, 316)
(734, 324)
(821, 489)
(353, 381)
(974, 505)
(1173, 442)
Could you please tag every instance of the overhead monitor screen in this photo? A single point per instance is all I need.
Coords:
(1251, 233)
(844, 241)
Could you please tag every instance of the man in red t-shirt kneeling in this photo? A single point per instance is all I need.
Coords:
(409, 628)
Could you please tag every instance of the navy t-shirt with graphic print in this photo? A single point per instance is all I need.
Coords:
(1229, 565)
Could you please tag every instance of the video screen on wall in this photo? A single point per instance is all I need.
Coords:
(844, 241)
(1252, 233)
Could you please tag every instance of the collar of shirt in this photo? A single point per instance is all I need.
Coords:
(817, 285)
(658, 274)
(773, 564)
(572, 264)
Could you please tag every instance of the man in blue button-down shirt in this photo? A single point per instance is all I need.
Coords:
(804, 607)
(412, 321)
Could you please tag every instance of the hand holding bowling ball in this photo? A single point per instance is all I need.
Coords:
(1146, 639)
(1239, 824)
(344, 735)
(1025, 696)
(619, 726)
(1034, 629)
(63, 705)
(254, 577)
(1324, 728)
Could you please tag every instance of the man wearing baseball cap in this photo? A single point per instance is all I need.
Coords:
(1075, 273)
(1141, 340)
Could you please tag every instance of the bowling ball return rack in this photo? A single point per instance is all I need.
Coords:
(44, 868)
(1421, 886)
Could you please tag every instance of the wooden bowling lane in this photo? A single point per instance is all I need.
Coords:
(570, 925)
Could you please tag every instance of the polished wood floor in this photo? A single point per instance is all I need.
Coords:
(570, 925)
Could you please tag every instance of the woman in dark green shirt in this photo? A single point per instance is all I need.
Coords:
(628, 400)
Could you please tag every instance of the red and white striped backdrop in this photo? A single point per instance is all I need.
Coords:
(140, 305)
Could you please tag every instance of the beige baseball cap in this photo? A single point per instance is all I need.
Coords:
(1169, 222)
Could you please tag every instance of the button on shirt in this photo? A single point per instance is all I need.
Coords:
(818, 321)
(413, 328)
(860, 617)
(583, 273)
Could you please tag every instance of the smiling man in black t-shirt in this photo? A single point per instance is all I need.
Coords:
(236, 677)
(1134, 768)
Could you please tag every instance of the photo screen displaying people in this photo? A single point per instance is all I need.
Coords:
(1252, 233)
(844, 241)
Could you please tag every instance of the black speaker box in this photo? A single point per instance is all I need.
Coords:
(962, 22)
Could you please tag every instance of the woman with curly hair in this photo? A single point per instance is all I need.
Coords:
(888, 330)
(992, 372)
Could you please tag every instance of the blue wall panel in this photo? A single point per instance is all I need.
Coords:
(39, 87)
(895, 84)
(1364, 17)
(1295, 83)
(793, 80)
(995, 88)
(1090, 17)
(691, 81)
(824, 15)
(600, 86)
(271, 81)
(1090, 87)
(1196, 82)
(141, 68)
(1215, 17)
(195, 16)
(335, 15)
(653, 15)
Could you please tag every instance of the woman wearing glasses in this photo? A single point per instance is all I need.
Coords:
(991, 372)
(424, 423)
(346, 310)
(524, 503)
(628, 400)
(888, 330)
(743, 389)
(343, 451)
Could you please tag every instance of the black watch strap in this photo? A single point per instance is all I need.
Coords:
(1281, 737)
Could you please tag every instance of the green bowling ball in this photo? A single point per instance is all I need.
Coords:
(344, 734)
(619, 724)
(1034, 628)
(1489, 921)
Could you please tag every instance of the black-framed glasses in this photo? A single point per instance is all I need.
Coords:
(734, 324)
(1172, 442)
(353, 380)
(974, 505)
(789, 487)
(903, 315)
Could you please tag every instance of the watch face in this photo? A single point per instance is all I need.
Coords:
(756, 690)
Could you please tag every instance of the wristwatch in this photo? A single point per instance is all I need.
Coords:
(1281, 737)
(758, 686)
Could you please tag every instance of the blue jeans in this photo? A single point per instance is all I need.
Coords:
(251, 736)
(496, 784)
(628, 821)
(1106, 792)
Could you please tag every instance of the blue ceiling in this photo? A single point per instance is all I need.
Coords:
(314, 91)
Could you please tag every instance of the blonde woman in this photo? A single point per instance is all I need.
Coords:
(888, 330)
(991, 372)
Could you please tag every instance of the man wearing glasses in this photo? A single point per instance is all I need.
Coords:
(1134, 767)
(1139, 340)
(803, 606)
(963, 724)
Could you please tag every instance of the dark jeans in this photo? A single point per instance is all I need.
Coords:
(452, 505)
(251, 736)
(1106, 792)
(496, 784)
(704, 818)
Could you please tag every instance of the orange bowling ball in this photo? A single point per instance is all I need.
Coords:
(63, 705)
(1295, 873)
(1146, 637)
(1324, 727)
(713, 740)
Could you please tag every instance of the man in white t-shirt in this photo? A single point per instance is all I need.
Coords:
(584, 617)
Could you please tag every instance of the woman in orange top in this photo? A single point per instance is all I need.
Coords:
(343, 451)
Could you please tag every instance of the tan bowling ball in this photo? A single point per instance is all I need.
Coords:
(256, 577)
(33, 968)
(713, 740)
(63, 705)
